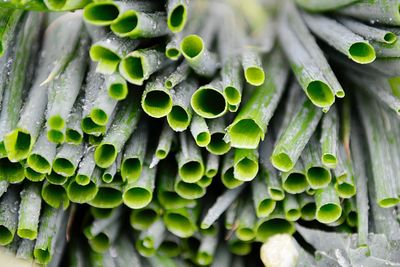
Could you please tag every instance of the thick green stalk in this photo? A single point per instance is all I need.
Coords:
(8, 215)
(218, 145)
(207, 248)
(189, 190)
(177, 14)
(250, 125)
(190, 161)
(263, 202)
(200, 131)
(67, 159)
(245, 164)
(8, 25)
(139, 193)
(307, 207)
(109, 195)
(182, 222)
(291, 208)
(156, 99)
(329, 137)
(328, 205)
(55, 195)
(142, 219)
(42, 155)
(227, 177)
(246, 220)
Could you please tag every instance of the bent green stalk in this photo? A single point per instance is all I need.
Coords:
(328, 205)
(55, 195)
(181, 113)
(190, 161)
(329, 137)
(250, 125)
(137, 66)
(138, 194)
(177, 14)
(134, 153)
(209, 100)
(342, 39)
(67, 159)
(124, 124)
(29, 211)
(9, 216)
(296, 135)
(42, 155)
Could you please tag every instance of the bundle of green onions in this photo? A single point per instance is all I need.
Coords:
(158, 133)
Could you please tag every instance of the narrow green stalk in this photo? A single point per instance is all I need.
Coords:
(231, 215)
(178, 76)
(350, 210)
(137, 66)
(263, 202)
(307, 207)
(55, 195)
(345, 185)
(73, 130)
(124, 124)
(9, 216)
(250, 125)
(52, 222)
(64, 91)
(190, 161)
(85, 168)
(151, 238)
(200, 131)
(379, 144)
(341, 38)
(209, 100)
(29, 211)
(252, 66)
(328, 205)
(294, 138)
(182, 222)
(305, 67)
(102, 108)
(227, 177)
(165, 141)
(218, 145)
(212, 165)
(138, 194)
(318, 176)
(207, 249)
(67, 159)
(245, 166)
(8, 25)
(181, 113)
(117, 86)
(329, 137)
(269, 173)
(134, 153)
(291, 208)
(42, 155)
(108, 52)
(142, 219)
(274, 224)
(246, 221)
(172, 49)
(177, 14)
(109, 173)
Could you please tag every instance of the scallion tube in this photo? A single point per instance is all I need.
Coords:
(239, 247)
(142, 219)
(245, 166)
(190, 161)
(335, 34)
(344, 185)
(64, 91)
(165, 141)
(55, 195)
(269, 173)
(295, 180)
(134, 153)
(156, 99)
(328, 205)
(42, 155)
(117, 86)
(12, 172)
(172, 49)
(177, 14)
(182, 222)
(307, 207)
(137, 66)
(207, 248)
(171, 246)
(138, 194)
(294, 138)
(212, 165)
(125, 121)
(108, 52)
(329, 137)
(109, 195)
(189, 190)
(318, 176)
(9, 216)
(209, 100)
(250, 125)
(29, 211)
(263, 202)
(178, 76)
(218, 145)
(181, 113)
(85, 168)
(102, 109)
(291, 208)
(151, 238)
(305, 67)
(227, 177)
(73, 130)
(200, 131)
(67, 159)
(52, 222)
(252, 66)
(33, 176)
